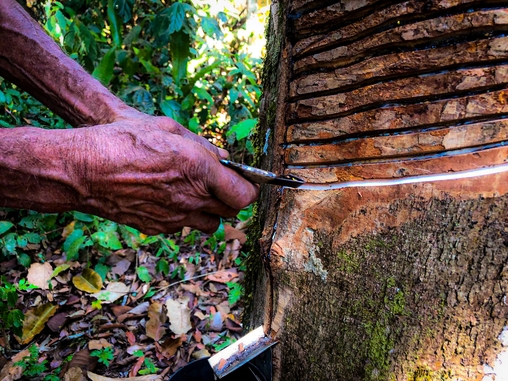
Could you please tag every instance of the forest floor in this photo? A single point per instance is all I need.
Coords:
(126, 323)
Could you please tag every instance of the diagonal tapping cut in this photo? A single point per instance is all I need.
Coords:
(459, 175)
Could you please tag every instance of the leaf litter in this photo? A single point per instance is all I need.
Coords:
(127, 302)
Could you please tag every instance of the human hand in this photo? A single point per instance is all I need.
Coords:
(153, 174)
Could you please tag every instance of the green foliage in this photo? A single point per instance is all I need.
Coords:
(104, 355)
(143, 274)
(31, 365)
(195, 63)
(11, 317)
(235, 292)
(148, 367)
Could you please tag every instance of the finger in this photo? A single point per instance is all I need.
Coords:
(216, 206)
(205, 222)
(231, 188)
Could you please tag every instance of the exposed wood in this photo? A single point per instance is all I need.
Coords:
(386, 16)
(425, 142)
(414, 88)
(477, 53)
(403, 167)
(407, 36)
(423, 115)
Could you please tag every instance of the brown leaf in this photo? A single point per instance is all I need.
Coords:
(233, 325)
(231, 233)
(39, 274)
(11, 372)
(156, 318)
(137, 366)
(195, 289)
(35, 320)
(131, 338)
(179, 315)
(223, 276)
(169, 347)
(89, 281)
(151, 377)
(98, 344)
(114, 291)
(121, 267)
(74, 374)
(82, 360)
(57, 321)
(120, 310)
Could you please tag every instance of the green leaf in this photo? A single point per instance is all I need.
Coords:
(180, 52)
(73, 243)
(5, 226)
(10, 242)
(114, 24)
(242, 129)
(162, 266)
(203, 94)
(143, 274)
(33, 237)
(194, 125)
(124, 9)
(24, 260)
(82, 217)
(177, 14)
(171, 108)
(132, 35)
(2, 97)
(102, 270)
(211, 27)
(188, 102)
(104, 71)
(109, 240)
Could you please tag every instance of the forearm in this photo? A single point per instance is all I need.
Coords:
(35, 170)
(32, 60)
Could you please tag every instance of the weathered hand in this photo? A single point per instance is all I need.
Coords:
(153, 174)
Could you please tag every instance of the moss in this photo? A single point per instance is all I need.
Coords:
(348, 262)
(426, 374)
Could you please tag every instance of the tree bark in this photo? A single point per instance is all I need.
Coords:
(402, 282)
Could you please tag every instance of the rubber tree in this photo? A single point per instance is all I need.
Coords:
(397, 282)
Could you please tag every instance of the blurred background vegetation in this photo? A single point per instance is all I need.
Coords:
(197, 62)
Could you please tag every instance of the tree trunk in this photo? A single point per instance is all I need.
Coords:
(401, 282)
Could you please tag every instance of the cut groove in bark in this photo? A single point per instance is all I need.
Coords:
(405, 90)
(331, 27)
(408, 37)
(401, 65)
(404, 117)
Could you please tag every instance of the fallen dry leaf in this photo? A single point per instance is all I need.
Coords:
(179, 315)
(156, 318)
(57, 321)
(68, 229)
(89, 281)
(114, 291)
(35, 320)
(231, 233)
(121, 267)
(74, 374)
(169, 347)
(195, 289)
(98, 344)
(151, 377)
(39, 274)
(137, 367)
(12, 372)
(223, 276)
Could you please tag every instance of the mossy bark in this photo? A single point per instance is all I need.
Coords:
(406, 282)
